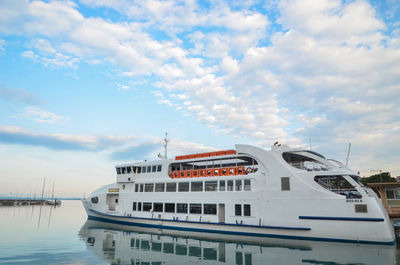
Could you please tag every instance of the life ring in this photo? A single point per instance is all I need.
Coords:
(249, 170)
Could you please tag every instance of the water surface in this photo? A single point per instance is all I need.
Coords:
(62, 235)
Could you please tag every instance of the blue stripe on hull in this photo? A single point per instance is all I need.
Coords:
(212, 223)
(342, 218)
(203, 230)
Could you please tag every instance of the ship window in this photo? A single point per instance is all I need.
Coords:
(209, 172)
(148, 169)
(141, 187)
(95, 199)
(247, 184)
(149, 187)
(134, 206)
(202, 173)
(181, 208)
(171, 187)
(160, 187)
(128, 170)
(224, 171)
(158, 207)
(136, 187)
(139, 170)
(118, 170)
(195, 208)
(170, 207)
(238, 209)
(188, 173)
(285, 183)
(154, 169)
(303, 162)
(147, 206)
(246, 210)
(222, 185)
(339, 185)
(197, 186)
(238, 185)
(159, 168)
(211, 185)
(210, 209)
(139, 206)
(195, 173)
(143, 169)
(230, 185)
(123, 170)
(183, 186)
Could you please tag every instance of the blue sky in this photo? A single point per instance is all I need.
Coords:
(85, 85)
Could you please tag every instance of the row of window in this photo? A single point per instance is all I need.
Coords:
(192, 208)
(196, 186)
(139, 170)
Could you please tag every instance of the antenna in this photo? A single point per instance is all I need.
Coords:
(348, 154)
(165, 147)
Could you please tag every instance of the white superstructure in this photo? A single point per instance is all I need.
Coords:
(283, 193)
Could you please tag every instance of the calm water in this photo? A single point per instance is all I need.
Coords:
(61, 235)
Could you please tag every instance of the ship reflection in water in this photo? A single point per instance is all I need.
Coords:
(137, 245)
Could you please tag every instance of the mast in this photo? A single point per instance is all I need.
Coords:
(44, 182)
(166, 140)
(348, 154)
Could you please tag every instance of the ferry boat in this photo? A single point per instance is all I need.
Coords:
(282, 193)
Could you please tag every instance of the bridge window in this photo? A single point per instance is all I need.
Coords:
(303, 162)
(159, 168)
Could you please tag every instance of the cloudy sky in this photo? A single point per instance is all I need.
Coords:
(88, 84)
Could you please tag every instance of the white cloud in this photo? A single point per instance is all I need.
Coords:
(332, 72)
(42, 116)
(2, 44)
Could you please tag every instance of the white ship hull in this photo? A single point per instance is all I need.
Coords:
(277, 198)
